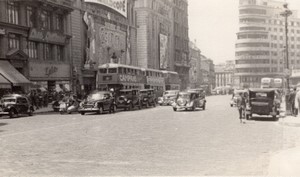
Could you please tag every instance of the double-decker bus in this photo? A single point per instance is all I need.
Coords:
(119, 76)
(154, 80)
(172, 80)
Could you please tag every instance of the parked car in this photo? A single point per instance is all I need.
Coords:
(168, 97)
(99, 102)
(236, 95)
(129, 99)
(189, 101)
(15, 104)
(262, 102)
(148, 97)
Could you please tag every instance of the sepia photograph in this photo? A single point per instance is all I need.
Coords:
(149, 88)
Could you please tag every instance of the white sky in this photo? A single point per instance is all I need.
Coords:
(214, 24)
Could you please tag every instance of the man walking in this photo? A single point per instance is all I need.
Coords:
(291, 101)
(241, 105)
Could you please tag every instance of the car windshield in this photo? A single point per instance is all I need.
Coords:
(95, 96)
(261, 95)
(8, 100)
(170, 93)
(184, 95)
(125, 92)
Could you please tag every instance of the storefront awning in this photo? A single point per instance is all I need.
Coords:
(4, 83)
(13, 75)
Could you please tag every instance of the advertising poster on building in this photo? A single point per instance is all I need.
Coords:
(163, 59)
(118, 5)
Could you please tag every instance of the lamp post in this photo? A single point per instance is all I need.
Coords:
(286, 13)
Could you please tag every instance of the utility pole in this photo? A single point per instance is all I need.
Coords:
(286, 13)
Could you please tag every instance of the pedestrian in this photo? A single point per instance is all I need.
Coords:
(297, 102)
(291, 101)
(241, 105)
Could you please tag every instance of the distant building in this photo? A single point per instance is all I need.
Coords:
(207, 73)
(195, 63)
(225, 74)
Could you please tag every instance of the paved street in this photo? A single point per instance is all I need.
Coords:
(154, 141)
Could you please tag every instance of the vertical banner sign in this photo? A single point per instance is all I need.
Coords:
(163, 59)
(118, 5)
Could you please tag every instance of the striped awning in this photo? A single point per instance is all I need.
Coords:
(4, 83)
(12, 74)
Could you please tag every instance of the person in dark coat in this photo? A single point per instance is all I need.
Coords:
(241, 105)
(291, 101)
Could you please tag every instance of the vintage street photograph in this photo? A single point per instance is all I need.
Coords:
(149, 88)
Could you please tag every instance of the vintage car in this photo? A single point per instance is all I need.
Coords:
(148, 97)
(99, 102)
(262, 102)
(13, 105)
(129, 99)
(168, 97)
(236, 95)
(189, 101)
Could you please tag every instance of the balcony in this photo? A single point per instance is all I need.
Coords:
(251, 40)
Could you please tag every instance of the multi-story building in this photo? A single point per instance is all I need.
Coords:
(260, 46)
(103, 32)
(225, 74)
(155, 34)
(195, 63)
(35, 43)
(181, 40)
(207, 74)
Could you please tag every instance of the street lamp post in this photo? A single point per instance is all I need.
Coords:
(286, 13)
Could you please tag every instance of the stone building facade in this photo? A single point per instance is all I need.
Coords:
(35, 39)
(101, 31)
(195, 63)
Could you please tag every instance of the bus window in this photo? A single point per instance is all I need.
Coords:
(103, 71)
(120, 70)
(112, 70)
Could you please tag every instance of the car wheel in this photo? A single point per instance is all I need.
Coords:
(100, 110)
(174, 109)
(30, 113)
(82, 113)
(13, 113)
(114, 109)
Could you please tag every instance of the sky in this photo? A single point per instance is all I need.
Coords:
(213, 24)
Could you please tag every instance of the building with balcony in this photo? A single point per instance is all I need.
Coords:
(260, 46)
(181, 41)
(195, 63)
(35, 43)
(102, 33)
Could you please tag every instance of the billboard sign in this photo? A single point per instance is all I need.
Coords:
(118, 5)
(163, 59)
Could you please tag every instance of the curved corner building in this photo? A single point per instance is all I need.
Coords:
(261, 42)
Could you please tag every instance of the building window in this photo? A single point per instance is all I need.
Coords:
(13, 12)
(32, 49)
(13, 41)
(46, 20)
(47, 52)
(30, 16)
(60, 53)
(59, 22)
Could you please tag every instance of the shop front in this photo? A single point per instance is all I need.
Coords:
(51, 76)
(17, 82)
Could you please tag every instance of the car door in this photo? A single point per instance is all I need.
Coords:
(20, 105)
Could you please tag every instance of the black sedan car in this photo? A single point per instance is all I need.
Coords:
(13, 105)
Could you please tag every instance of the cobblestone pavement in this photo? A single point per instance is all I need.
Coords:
(155, 141)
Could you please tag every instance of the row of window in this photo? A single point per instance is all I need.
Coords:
(253, 70)
(252, 45)
(253, 36)
(33, 18)
(130, 71)
(252, 53)
(253, 61)
(253, 11)
(274, 22)
(253, 28)
(31, 48)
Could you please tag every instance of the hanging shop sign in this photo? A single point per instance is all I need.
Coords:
(42, 70)
(46, 36)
